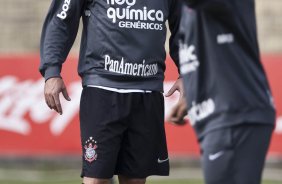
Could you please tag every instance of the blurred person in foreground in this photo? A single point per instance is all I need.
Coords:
(122, 64)
(227, 93)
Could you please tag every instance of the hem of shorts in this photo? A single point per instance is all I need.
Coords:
(95, 176)
(141, 177)
(124, 174)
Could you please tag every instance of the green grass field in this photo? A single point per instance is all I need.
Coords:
(149, 182)
(58, 173)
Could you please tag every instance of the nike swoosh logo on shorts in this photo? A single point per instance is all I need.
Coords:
(162, 161)
(215, 156)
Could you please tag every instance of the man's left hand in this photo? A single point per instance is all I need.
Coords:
(179, 111)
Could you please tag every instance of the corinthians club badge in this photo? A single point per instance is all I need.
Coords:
(90, 150)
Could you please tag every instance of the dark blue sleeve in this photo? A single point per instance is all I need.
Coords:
(174, 23)
(58, 34)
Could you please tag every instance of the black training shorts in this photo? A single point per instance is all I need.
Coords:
(123, 134)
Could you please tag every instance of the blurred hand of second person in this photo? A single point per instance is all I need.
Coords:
(53, 88)
(179, 111)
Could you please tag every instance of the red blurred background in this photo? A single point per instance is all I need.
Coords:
(29, 128)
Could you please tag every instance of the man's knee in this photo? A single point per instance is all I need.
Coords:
(87, 180)
(127, 180)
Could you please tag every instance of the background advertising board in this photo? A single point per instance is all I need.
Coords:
(29, 128)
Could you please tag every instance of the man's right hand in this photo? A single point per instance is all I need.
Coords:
(53, 88)
(179, 111)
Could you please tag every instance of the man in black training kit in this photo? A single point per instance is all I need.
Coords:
(122, 64)
(229, 101)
